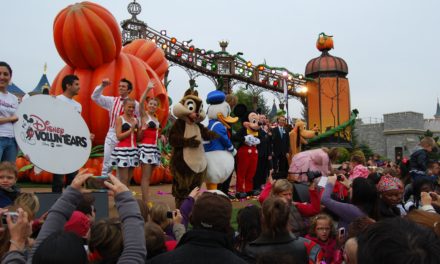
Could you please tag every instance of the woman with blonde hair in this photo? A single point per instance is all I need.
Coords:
(125, 154)
(284, 189)
(148, 135)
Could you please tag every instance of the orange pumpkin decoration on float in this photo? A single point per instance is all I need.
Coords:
(147, 51)
(86, 35)
(40, 177)
(93, 57)
(324, 42)
(20, 162)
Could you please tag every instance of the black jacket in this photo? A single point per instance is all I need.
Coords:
(419, 160)
(265, 146)
(280, 245)
(281, 145)
(201, 246)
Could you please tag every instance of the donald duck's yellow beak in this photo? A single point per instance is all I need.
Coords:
(226, 120)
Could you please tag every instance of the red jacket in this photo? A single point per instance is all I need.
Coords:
(305, 209)
(328, 247)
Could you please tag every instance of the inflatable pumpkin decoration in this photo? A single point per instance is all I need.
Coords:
(88, 39)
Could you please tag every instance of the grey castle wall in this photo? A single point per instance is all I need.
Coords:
(403, 120)
(372, 135)
(398, 130)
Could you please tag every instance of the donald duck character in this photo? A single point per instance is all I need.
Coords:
(219, 152)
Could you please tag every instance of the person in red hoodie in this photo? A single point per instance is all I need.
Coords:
(323, 233)
(286, 190)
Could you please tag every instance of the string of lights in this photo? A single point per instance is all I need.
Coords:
(218, 64)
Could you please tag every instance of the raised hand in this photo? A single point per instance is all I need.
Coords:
(20, 230)
(105, 82)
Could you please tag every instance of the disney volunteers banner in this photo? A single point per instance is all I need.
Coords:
(53, 134)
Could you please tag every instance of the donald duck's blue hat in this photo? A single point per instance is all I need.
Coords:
(215, 97)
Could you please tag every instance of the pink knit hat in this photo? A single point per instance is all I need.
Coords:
(388, 183)
(78, 223)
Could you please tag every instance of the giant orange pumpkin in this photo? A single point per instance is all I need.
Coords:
(147, 51)
(117, 66)
(41, 177)
(87, 35)
(324, 42)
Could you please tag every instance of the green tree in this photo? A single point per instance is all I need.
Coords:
(343, 155)
(253, 99)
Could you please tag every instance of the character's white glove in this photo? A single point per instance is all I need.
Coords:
(234, 152)
(250, 140)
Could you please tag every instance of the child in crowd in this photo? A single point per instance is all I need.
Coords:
(419, 159)
(358, 169)
(322, 231)
(169, 221)
(8, 187)
(249, 226)
(155, 240)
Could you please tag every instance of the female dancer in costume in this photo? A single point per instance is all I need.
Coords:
(125, 154)
(149, 154)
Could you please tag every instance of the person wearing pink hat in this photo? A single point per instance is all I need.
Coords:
(390, 191)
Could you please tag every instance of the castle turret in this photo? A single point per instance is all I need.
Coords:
(437, 113)
(43, 86)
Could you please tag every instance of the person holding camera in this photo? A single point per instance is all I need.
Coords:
(148, 135)
(15, 231)
(53, 245)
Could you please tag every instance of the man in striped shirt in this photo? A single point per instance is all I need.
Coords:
(114, 106)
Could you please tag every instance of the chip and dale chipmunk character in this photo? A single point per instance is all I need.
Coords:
(188, 164)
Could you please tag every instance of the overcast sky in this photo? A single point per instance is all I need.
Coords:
(390, 46)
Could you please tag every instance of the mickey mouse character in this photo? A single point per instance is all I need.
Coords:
(247, 154)
(188, 163)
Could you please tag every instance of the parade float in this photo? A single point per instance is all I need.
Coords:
(90, 42)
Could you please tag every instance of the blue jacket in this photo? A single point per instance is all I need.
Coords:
(221, 143)
(7, 197)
